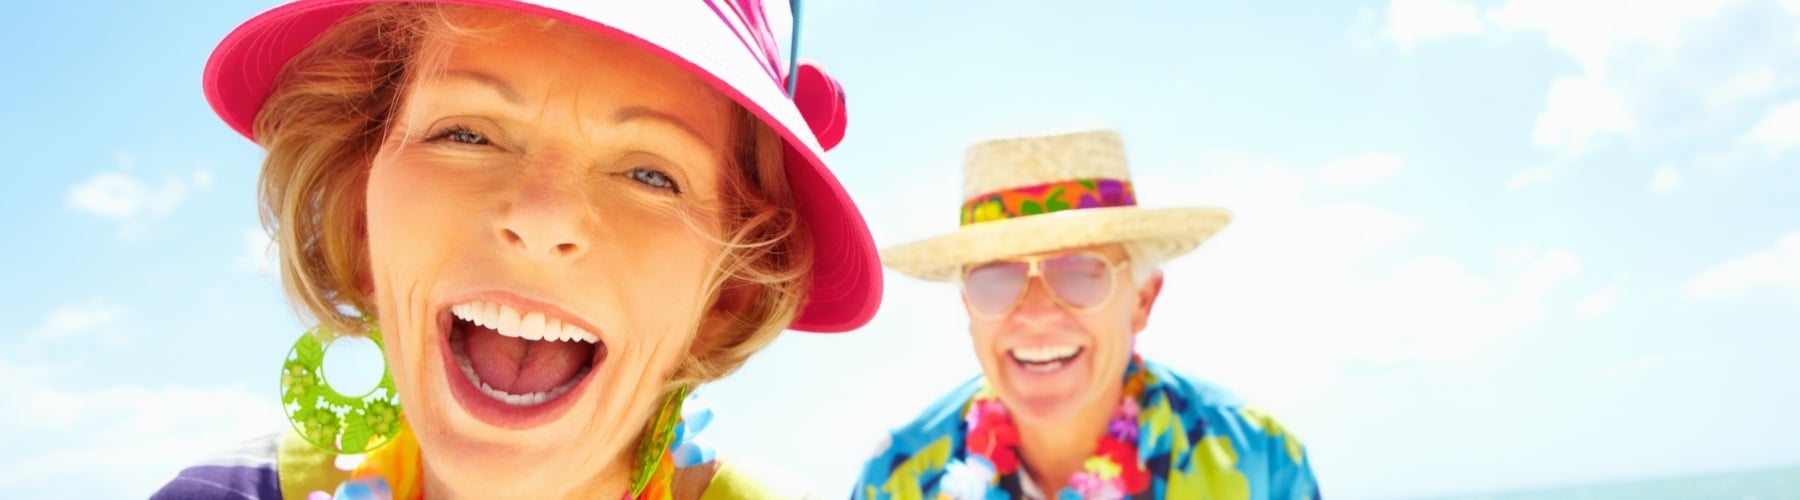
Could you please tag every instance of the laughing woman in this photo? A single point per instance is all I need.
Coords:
(555, 220)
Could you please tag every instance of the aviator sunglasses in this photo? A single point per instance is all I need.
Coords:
(1080, 281)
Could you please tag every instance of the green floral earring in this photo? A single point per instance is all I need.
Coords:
(657, 435)
(330, 420)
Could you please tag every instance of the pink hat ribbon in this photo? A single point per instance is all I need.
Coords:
(816, 94)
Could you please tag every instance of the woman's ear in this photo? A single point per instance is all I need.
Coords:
(365, 267)
(735, 300)
(365, 277)
(364, 274)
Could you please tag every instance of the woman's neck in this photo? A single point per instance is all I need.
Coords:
(608, 484)
(1054, 450)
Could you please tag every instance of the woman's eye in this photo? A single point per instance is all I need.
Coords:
(655, 178)
(459, 135)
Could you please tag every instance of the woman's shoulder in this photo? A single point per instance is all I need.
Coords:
(270, 467)
(737, 477)
(247, 471)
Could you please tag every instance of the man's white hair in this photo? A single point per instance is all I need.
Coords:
(1146, 261)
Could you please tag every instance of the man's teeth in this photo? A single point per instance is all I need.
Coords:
(1045, 354)
(531, 326)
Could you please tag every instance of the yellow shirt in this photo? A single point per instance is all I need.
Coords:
(303, 469)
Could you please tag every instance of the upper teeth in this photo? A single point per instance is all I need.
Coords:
(532, 326)
(1044, 353)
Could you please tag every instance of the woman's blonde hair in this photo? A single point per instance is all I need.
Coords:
(328, 116)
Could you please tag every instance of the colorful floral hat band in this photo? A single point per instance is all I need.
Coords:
(1047, 198)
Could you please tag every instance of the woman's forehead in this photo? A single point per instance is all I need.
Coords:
(525, 65)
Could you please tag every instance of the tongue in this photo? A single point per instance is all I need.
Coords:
(519, 366)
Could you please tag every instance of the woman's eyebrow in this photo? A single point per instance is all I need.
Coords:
(499, 85)
(630, 113)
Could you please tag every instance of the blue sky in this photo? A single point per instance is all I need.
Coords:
(1479, 245)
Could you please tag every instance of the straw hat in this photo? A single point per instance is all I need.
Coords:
(1028, 195)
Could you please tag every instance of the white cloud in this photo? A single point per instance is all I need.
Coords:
(1776, 269)
(1749, 84)
(1516, 254)
(1633, 367)
(1269, 205)
(130, 200)
(1778, 130)
(260, 253)
(1580, 109)
(1530, 176)
(1775, 133)
(1364, 33)
(141, 436)
(1598, 303)
(1361, 170)
(1328, 285)
(1323, 310)
(1412, 21)
(1545, 271)
(1594, 30)
(1665, 179)
(936, 211)
(1657, 71)
(121, 196)
(203, 178)
(80, 320)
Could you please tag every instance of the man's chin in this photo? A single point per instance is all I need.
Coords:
(1038, 405)
(1049, 411)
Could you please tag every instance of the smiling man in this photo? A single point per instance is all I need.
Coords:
(1059, 270)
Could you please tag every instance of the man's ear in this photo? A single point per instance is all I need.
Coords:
(1146, 294)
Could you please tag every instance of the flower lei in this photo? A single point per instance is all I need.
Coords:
(1116, 470)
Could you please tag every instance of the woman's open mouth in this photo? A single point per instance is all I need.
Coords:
(517, 363)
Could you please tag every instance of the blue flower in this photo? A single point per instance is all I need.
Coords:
(685, 447)
(972, 478)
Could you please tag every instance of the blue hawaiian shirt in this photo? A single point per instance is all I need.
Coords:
(1196, 440)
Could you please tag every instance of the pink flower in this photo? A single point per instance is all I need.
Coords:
(1090, 486)
(1129, 408)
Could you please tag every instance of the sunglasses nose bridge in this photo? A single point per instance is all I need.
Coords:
(1038, 279)
(1037, 294)
(1034, 268)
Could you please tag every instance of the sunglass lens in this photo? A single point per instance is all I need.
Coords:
(1081, 280)
(993, 287)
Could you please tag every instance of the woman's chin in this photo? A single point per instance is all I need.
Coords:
(471, 440)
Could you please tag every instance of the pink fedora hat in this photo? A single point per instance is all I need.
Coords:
(727, 43)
